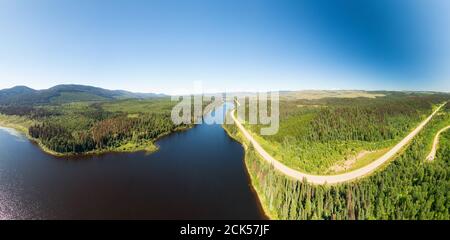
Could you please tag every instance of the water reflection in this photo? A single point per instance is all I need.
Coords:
(196, 174)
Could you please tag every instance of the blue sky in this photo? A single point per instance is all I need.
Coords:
(234, 45)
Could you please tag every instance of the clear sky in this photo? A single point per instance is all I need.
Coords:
(166, 45)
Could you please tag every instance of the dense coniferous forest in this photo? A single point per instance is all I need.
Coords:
(93, 120)
(80, 127)
(409, 187)
(108, 133)
(317, 135)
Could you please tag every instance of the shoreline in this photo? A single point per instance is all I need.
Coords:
(252, 179)
(141, 148)
(149, 147)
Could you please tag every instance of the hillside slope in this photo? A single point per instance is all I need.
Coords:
(21, 95)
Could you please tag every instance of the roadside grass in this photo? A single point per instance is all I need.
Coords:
(318, 158)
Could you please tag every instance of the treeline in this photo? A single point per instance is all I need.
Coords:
(408, 188)
(113, 132)
(347, 119)
(31, 112)
(376, 123)
(418, 100)
(107, 133)
(370, 120)
(60, 139)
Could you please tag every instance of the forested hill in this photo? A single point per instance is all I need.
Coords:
(21, 95)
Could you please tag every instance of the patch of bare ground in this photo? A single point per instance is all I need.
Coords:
(349, 162)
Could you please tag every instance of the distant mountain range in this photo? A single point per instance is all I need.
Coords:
(66, 93)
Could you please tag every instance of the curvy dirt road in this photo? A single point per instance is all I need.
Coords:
(332, 179)
(432, 154)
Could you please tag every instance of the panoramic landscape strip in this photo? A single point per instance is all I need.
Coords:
(336, 154)
(230, 110)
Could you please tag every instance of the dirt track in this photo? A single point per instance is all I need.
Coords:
(432, 154)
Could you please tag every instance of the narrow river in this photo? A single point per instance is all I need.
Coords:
(196, 174)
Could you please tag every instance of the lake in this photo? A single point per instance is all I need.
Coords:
(195, 174)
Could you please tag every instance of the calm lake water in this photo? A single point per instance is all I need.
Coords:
(196, 174)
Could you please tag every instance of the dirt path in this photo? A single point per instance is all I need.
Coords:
(332, 179)
(432, 154)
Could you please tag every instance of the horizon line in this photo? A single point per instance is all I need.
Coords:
(232, 91)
